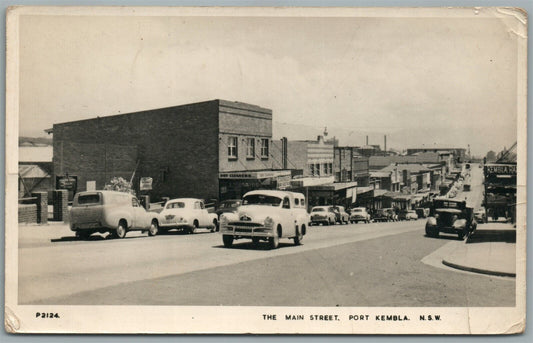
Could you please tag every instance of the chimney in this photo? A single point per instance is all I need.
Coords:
(366, 140)
(385, 143)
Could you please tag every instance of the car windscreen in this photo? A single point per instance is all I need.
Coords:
(320, 209)
(260, 199)
(357, 210)
(175, 205)
(89, 199)
(231, 204)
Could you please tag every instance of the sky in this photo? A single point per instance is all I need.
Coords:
(420, 81)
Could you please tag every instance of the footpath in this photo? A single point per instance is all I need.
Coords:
(490, 250)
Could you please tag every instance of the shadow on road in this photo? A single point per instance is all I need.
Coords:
(181, 233)
(484, 236)
(93, 238)
(251, 246)
(445, 236)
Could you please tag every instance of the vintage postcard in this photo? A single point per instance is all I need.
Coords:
(266, 170)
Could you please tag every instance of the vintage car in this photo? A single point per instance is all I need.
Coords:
(381, 215)
(422, 212)
(341, 216)
(359, 214)
(411, 215)
(480, 215)
(450, 216)
(110, 211)
(227, 206)
(266, 215)
(323, 214)
(187, 214)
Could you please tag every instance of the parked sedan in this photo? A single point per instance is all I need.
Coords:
(323, 214)
(187, 214)
(359, 214)
(480, 215)
(228, 206)
(411, 215)
(341, 216)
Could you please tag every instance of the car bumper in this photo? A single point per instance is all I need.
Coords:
(246, 232)
(175, 225)
(447, 229)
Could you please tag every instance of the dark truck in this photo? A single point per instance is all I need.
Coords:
(450, 216)
(500, 190)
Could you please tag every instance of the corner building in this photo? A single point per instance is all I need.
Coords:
(213, 149)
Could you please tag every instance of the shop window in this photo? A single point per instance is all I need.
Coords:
(250, 148)
(264, 147)
(232, 147)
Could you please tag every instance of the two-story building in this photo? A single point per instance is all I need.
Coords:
(350, 165)
(212, 149)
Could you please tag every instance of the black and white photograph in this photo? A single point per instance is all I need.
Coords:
(266, 170)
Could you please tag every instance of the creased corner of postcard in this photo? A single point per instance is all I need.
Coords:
(516, 328)
(11, 321)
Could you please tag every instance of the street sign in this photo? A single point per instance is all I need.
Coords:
(146, 184)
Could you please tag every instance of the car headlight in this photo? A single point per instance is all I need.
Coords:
(269, 223)
(223, 220)
(459, 224)
(432, 221)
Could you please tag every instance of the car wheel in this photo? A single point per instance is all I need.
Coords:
(461, 235)
(299, 236)
(120, 231)
(255, 240)
(154, 228)
(274, 241)
(228, 241)
(194, 226)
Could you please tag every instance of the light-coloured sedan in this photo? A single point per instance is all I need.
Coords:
(187, 214)
(359, 214)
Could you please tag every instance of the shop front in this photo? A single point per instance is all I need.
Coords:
(338, 193)
(233, 185)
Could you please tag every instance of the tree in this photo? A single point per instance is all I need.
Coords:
(491, 156)
(119, 184)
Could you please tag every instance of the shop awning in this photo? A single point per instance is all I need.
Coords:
(312, 181)
(361, 190)
(254, 175)
(398, 196)
(336, 186)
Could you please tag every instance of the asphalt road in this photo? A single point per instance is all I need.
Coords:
(350, 265)
(376, 264)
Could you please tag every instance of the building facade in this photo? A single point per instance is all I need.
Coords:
(212, 149)
(350, 166)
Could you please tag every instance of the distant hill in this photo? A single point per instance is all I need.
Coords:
(35, 141)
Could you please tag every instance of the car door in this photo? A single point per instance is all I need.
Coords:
(203, 215)
(197, 213)
(140, 217)
(288, 218)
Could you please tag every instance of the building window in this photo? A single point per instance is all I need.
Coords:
(264, 147)
(232, 147)
(317, 169)
(330, 168)
(250, 148)
(312, 169)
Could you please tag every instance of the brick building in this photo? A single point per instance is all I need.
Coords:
(350, 166)
(213, 149)
(313, 158)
